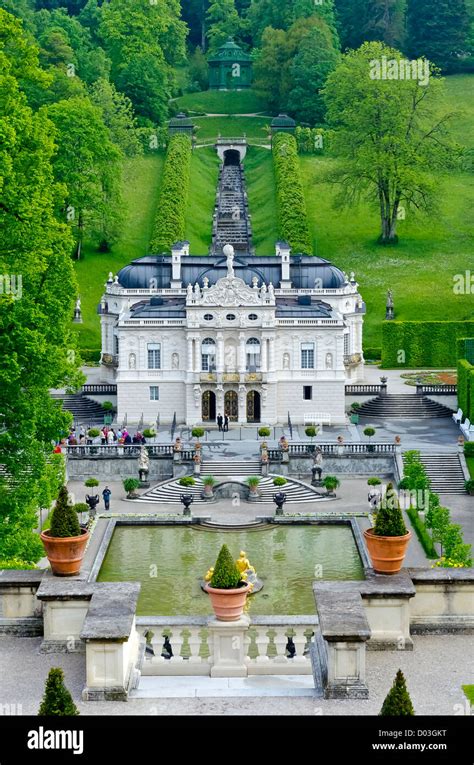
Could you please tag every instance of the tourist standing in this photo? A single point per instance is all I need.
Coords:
(219, 422)
(110, 437)
(106, 495)
(226, 423)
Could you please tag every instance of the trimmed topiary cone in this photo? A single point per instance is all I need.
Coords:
(398, 702)
(56, 699)
(227, 590)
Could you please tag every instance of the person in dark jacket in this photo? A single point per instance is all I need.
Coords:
(226, 422)
(219, 422)
(106, 495)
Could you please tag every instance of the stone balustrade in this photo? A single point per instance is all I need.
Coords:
(265, 645)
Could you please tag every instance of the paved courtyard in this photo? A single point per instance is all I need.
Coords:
(435, 671)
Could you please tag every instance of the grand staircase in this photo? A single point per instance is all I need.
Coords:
(445, 472)
(170, 492)
(231, 468)
(407, 406)
(84, 410)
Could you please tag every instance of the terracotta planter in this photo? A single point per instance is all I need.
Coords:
(228, 605)
(386, 553)
(65, 554)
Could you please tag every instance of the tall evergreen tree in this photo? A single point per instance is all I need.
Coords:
(442, 35)
(37, 344)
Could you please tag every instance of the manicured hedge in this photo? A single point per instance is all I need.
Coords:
(466, 388)
(173, 195)
(374, 354)
(422, 533)
(292, 215)
(90, 355)
(424, 343)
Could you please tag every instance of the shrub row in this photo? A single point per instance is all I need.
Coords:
(413, 344)
(466, 388)
(292, 215)
(173, 196)
(455, 551)
(313, 140)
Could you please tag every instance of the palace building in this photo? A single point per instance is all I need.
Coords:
(256, 337)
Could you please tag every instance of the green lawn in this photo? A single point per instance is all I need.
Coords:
(235, 127)
(204, 172)
(223, 102)
(141, 181)
(469, 692)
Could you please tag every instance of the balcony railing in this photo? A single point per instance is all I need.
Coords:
(331, 449)
(99, 389)
(362, 390)
(275, 645)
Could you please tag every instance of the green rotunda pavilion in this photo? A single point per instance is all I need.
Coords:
(230, 68)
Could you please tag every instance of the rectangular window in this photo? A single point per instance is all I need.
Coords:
(116, 345)
(307, 356)
(154, 393)
(154, 356)
(347, 345)
(307, 392)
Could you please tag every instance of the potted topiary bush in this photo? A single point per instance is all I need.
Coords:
(65, 542)
(369, 431)
(149, 434)
(311, 432)
(93, 433)
(187, 480)
(331, 483)
(264, 432)
(131, 485)
(374, 481)
(253, 483)
(388, 540)
(227, 590)
(209, 482)
(279, 480)
(91, 483)
(355, 413)
(197, 432)
(56, 699)
(398, 702)
(469, 486)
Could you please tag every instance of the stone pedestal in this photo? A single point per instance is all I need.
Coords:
(228, 647)
(197, 468)
(264, 469)
(285, 458)
(346, 671)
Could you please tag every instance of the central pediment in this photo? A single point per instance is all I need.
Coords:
(229, 292)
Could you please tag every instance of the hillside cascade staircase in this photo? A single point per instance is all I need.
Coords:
(407, 406)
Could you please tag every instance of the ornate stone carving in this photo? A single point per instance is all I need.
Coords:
(229, 293)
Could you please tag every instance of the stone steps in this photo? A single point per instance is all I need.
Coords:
(229, 468)
(404, 406)
(170, 492)
(445, 472)
(83, 409)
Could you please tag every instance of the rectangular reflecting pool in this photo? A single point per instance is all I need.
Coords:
(170, 562)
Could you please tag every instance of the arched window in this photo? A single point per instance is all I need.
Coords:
(253, 354)
(208, 355)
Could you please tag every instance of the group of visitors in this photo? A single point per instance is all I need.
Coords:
(223, 423)
(108, 436)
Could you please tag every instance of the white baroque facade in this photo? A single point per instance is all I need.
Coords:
(254, 337)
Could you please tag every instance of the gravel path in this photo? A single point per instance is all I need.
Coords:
(435, 671)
